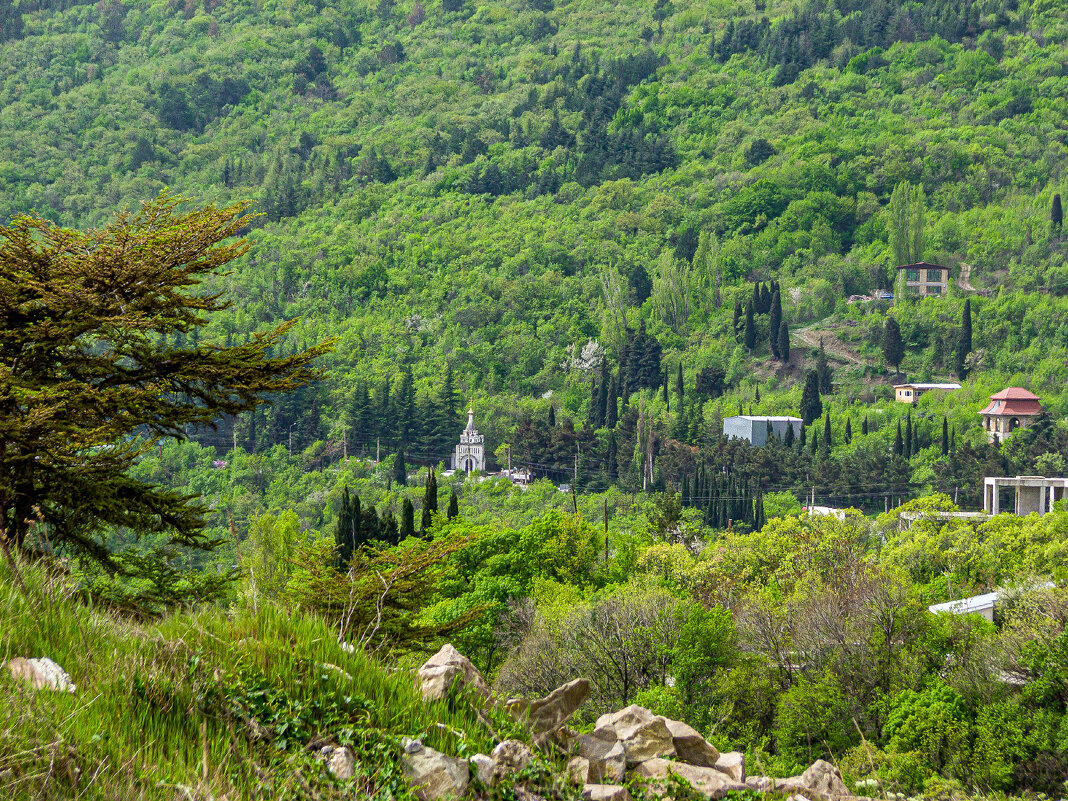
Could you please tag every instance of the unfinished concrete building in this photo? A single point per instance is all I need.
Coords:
(1031, 494)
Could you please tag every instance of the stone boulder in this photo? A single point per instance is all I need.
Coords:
(820, 777)
(690, 746)
(546, 715)
(733, 764)
(709, 782)
(342, 763)
(605, 792)
(41, 674)
(644, 735)
(510, 756)
(432, 774)
(446, 669)
(482, 766)
(606, 759)
(759, 783)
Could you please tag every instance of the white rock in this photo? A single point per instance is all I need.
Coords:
(432, 774)
(707, 781)
(733, 764)
(342, 763)
(443, 670)
(690, 746)
(605, 792)
(41, 674)
(483, 765)
(510, 756)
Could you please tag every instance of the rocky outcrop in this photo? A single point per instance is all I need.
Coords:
(607, 761)
(510, 756)
(546, 715)
(41, 674)
(733, 764)
(432, 774)
(710, 782)
(446, 669)
(690, 746)
(605, 792)
(644, 736)
(821, 777)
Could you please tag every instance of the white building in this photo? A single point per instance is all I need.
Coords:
(470, 454)
(756, 428)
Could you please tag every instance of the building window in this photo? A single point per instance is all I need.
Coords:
(912, 275)
(912, 290)
(934, 276)
(936, 289)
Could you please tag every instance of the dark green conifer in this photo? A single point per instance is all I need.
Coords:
(784, 341)
(899, 445)
(811, 405)
(454, 506)
(407, 526)
(400, 468)
(864, 427)
(827, 430)
(945, 436)
(848, 432)
(774, 323)
(750, 329)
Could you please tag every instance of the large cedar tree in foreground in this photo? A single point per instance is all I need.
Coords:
(90, 375)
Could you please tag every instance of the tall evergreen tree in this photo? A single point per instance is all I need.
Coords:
(552, 416)
(827, 430)
(864, 427)
(430, 502)
(824, 372)
(774, 323)
(892, 344)
(454, 506)
(400, 467)
(945, 436)
(788, 440)
(783, 341)
(964, 343)
(908, 437)
(736, 326)
(611, 415)
(750, 329)
(407, 525)
(1056, 214)
(680, 387)
(815, 442)
(848, 432)
(811, 405)
(899, 445)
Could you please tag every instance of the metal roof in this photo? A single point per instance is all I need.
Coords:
(966, 606)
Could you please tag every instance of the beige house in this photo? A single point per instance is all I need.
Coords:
(909, 393)
(921, 280)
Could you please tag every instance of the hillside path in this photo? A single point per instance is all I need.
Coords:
(812, 334)
(964, 280)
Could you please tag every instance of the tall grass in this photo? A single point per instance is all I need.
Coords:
(203, 704)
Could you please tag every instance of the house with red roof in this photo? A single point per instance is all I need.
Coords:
(1008, 410)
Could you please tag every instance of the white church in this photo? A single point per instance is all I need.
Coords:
(470, 454)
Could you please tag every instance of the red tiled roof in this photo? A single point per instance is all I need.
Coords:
(1014, 393)
(1015, 408)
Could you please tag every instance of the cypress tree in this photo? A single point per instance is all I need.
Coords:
(827, 430)
(815, 442)
(454, 506)
(788, 440)
(552, 416)
(964, 343)
(1056, 214)
(400, 469)
(801, 439)
(754, 300)
(892, 344)
(667, 401)
(864, 427)
(603, 397)
(595, 404)
(914, 449)
(345, 531)
(783, 341)
(613, 404)
(811, 405)
(758, 512)
(750, 329)
(774, 323)
(737, 324)
(899, 445)
(908, 437)
(756, 396)
(407, 526)
(390, 533)
(848, 432)
(430, 502)
(945, 436)
(370, 524)
(680, 387)
(824, 372)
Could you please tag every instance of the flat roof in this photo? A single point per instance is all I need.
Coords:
(965, 606)
(950, 385)
(923, 265)
(765, 418)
